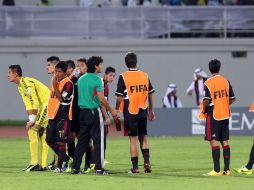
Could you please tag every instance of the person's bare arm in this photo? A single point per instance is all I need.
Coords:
(55, 86)
(105, 103)
(151, 115)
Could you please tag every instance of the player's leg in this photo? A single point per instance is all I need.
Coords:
(132, 124)
(211, 135)
(74, 129)
(251, 159)
(42, 123)
(51, 141)
(86, 120)
(33, 144)
(97, 133)
(144, 145)
(88, 157)
(63, 131)
(224, 126)
(247, 169)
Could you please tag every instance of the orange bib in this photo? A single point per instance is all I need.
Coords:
(219, 90)
(54, 103)
(137, 86)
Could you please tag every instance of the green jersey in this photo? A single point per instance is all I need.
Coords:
(88, 86)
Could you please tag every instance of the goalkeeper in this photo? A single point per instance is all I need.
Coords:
(35, 97)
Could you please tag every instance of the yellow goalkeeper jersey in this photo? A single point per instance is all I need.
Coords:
(35, 94)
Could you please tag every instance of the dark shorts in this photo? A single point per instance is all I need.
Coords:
(58, 130)
(135, 126)
(216, 130)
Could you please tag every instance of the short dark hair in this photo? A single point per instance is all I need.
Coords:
(53, 59)
(131, 60)
(92, 62)
(110, 70)
(16, 69)
(62, 65)
(71, 64)
(82, 59)
(214, 66)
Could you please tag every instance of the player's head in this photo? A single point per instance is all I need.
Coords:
(14, 73)
(51, 63)
(81, 65)
(94, 64)
(60, 70)
(110, 74)
(70, 67)
(131, 60)
(214, 66)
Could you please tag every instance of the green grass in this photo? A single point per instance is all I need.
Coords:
(12, 123)
(178, 163)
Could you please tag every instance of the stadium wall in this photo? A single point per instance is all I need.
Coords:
(166, 61)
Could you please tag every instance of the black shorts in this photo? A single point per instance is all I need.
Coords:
(58, 130)
(136, 126)
(216, 130)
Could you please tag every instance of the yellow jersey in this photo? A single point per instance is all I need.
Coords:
(35, 94)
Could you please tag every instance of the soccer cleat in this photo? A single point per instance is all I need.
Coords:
(243, 170)
(227, 173)
(147, 168)
(75, 172)
(86, 170)
(213, 173)
(133, 171)
(51, 166)
(36, 167)
(92, 166)
(68, 165)
(57, 170)
(106, 162)
(29, 166)
(44, 169)
(101, 172)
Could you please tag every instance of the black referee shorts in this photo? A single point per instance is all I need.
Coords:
(136, 126)
(216, 130)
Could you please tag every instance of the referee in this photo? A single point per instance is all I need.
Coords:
(90, 98)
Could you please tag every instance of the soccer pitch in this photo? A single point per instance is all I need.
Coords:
(177, 163)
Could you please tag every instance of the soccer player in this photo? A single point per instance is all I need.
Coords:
(217, 99)
(247, 169)
(90, 98)
(74, 127)
(51, 63)
(108, 77)
(135, 88)
(60, 114)
(197, 85)
(35, 97)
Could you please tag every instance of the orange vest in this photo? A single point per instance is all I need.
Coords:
(219, 90)
(54, 103)
(137, 86)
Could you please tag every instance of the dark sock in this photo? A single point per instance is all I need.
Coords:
(62, 156)
(71, 148)
(88, 159)
(226, 155)
(134, 161)
(216, 158)
(251, 160)
(146, 155)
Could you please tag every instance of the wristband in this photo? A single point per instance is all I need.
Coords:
(32, 118)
